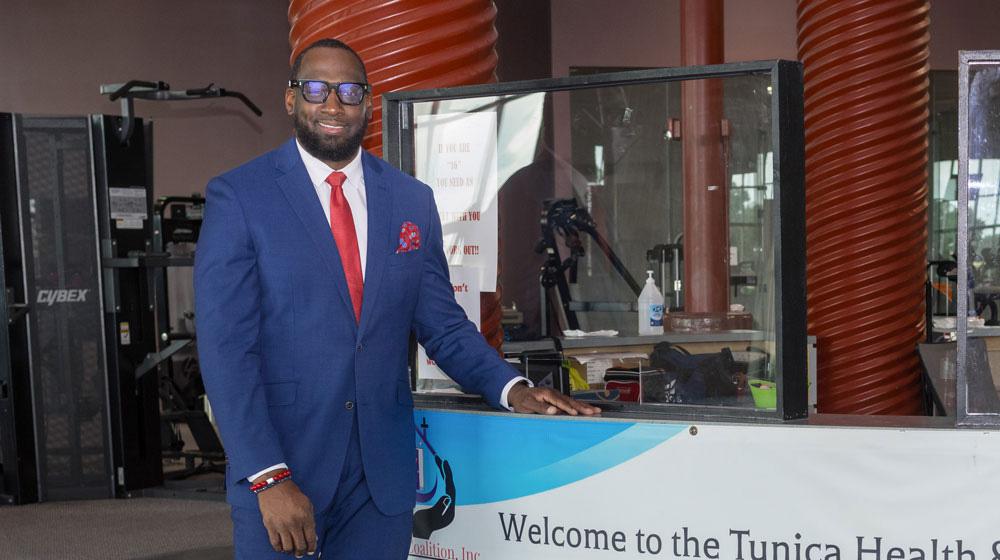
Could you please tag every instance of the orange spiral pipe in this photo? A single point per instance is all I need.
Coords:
(865, 65)
(409, 45)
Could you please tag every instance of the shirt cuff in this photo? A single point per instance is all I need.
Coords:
(251, 478)
(507, 387)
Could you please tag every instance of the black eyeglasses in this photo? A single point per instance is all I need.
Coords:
(317, 91)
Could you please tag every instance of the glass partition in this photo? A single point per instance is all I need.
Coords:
(978, 241)
(942, 171)
(566, 195)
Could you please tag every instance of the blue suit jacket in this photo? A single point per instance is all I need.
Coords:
(280, 351)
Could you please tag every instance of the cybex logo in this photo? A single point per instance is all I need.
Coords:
(48, 297)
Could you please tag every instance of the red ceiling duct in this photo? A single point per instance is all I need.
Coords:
(866, 108)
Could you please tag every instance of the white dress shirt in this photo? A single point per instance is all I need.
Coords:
(354, 192)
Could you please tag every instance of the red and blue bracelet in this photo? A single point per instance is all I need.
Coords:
(271, 482)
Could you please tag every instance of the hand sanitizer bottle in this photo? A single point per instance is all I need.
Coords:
(650, 308)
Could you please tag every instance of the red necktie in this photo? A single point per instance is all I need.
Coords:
(342, 225)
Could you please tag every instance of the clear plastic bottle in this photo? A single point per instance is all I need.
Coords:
(650, 308)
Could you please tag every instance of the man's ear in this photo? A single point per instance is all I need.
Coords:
(289, 101)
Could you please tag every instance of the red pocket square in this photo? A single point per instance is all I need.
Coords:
(409, 237)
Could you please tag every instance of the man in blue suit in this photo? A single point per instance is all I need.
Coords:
(315, 263)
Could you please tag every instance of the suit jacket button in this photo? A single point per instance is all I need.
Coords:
(349, 405)
(359, 347)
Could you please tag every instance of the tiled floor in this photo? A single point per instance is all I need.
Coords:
(136, 528)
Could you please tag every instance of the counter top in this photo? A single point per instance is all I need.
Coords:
(576, 342)
(474, 404)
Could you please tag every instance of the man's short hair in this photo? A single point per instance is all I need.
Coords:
(329, 44)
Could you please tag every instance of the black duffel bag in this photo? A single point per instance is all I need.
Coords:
(695, 378)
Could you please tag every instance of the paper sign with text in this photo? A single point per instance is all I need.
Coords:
(456, 154)
(465, 282)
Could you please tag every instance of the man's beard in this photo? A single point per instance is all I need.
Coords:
(326, 148)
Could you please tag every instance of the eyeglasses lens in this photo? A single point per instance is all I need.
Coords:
(350, 94)
(318, 92)
(315, 92)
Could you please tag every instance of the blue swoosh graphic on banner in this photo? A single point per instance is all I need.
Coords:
(495, 457)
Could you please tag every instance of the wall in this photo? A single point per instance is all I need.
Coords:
(962, 25)
(524, 45)
(645, 32)
(55, 54)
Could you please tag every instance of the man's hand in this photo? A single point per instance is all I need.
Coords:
(538, 400)
(288, 517)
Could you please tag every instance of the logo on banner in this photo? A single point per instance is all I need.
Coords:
(441, 512)
(436, 490)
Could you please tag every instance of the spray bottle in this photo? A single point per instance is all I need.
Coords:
(650, 308)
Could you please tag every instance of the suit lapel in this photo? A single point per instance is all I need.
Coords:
(379, 203)
(298, 189)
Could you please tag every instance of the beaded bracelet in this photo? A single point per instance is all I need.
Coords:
(271, 482)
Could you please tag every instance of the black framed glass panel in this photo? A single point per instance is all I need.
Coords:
(585, 177)
(978, 194)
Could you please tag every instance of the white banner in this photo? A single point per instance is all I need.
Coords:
(500, 486)
(456, 154)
